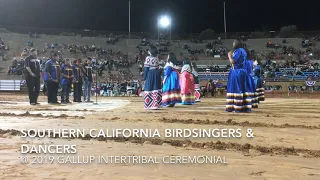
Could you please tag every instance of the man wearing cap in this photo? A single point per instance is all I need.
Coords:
(87, 79)
(52, 77)
(66, 81)
(77, 81)
(32, 74)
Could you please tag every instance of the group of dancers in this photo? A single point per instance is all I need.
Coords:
(245, 84)
(181, 85)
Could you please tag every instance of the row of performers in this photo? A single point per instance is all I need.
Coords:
(76, 74)
(245, 84)
(244, 90)
(179, 86)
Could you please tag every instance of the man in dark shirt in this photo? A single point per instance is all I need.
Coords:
(87, 67)
(32, 74)
(77, 82)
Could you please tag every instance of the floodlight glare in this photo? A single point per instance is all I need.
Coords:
(164, 21)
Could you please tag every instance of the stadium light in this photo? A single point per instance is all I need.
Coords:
(164, 22)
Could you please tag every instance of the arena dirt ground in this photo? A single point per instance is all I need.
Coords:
(286, 143)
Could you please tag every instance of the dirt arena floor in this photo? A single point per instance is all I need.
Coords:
(286, 142)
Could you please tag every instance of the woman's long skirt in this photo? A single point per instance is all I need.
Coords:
(255, 97)
(239, 93)
(171, 90)
(187, 88)
(259, 88)
(152, 90)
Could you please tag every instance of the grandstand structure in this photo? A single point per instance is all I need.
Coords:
(17, 42)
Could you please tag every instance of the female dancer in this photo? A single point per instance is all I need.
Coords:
(197, 90)
(171, 84)
(238, 90)
(187, 84)
(251, 84)
(258, 81)
(152, 77)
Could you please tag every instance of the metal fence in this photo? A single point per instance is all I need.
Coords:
(10, 85)
(150, 35)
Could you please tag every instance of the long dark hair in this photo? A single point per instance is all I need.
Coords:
(237, 44)
(172, 58)
(153, 51)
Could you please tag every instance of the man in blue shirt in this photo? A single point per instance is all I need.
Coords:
(52, 78)
(66, 81)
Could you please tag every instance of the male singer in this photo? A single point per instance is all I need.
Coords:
(66, 81)
(87, 79)
(32, 75)
(77, 81)
(52, 78)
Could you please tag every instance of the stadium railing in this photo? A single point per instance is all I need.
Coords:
(224, 76)
(10, 85)
(213, 75)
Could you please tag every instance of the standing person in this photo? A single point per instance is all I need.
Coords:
(32, 75)
(66, 81)
(208, 88)
(52, 78)
(88, 78)
(187, 84)
(213, 88)
(197, 90)
(152, 76)
(238, 92)
(258, 81)
(171, 83)
(77, 81)
(251, 84)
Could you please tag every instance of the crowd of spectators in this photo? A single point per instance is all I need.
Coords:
(110, 65)
(214, 48)
(113, 40)
(271, 67)
(284, 51)
(115, 65)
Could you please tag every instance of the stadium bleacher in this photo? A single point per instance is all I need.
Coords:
(17, 43)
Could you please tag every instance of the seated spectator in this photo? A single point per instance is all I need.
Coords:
(219, 40)
(270, 44)
(185, 46)
(306, 43)
(284, 41)
(209, 46)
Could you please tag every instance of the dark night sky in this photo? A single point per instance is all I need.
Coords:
(188, 15)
